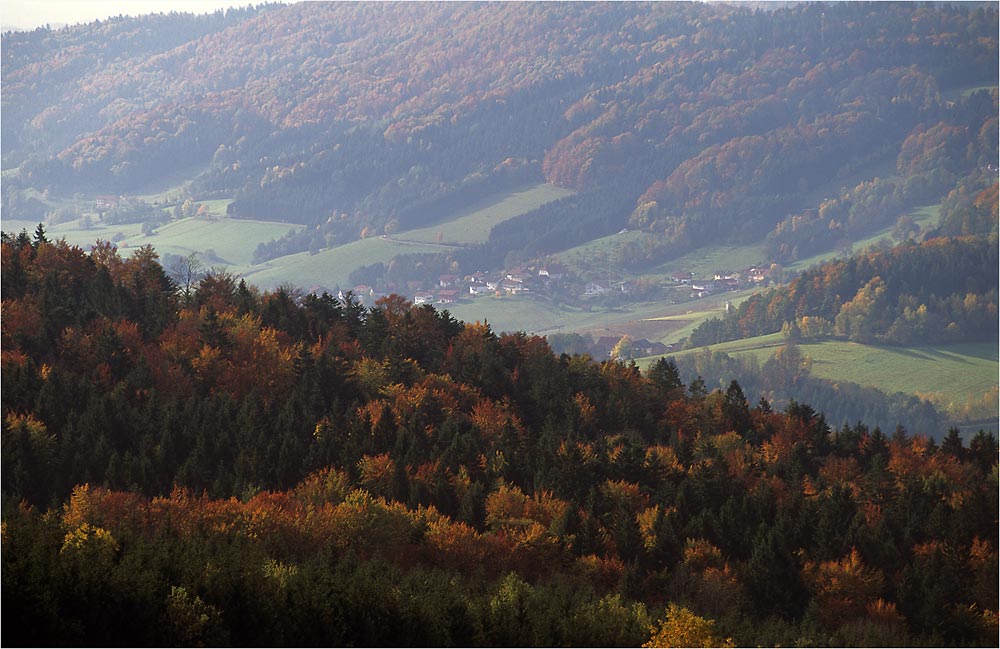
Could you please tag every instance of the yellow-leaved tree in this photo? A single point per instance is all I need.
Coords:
(682, 628)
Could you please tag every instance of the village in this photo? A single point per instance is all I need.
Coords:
(554, 282)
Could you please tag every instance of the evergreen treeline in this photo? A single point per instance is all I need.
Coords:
(221, 465)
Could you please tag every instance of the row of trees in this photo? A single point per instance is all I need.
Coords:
(224, 465)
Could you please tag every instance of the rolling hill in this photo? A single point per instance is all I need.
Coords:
(789, 209)
(704, 121)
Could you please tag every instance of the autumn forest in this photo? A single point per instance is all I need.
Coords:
(190, 458)
(239, 467)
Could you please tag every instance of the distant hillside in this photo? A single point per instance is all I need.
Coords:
(690, 122)
(941, 290)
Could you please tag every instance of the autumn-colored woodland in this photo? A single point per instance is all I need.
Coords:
(222, 465)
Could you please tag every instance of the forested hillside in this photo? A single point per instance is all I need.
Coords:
(218, 465)
(692, 122)
(190, 460)
(940, 290)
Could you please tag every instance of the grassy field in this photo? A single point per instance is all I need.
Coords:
(217, 206)
(946, 374)
(761, 347)
(522, 313)
(332, 268)
(704, 262)
(473, 224)
(596, 250)
(689, 320)
(329, 268)
(655, 321)
(233, 241)
(74, 234)
(949, 375)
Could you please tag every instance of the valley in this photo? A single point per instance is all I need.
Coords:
(502, 324)
(962, 387)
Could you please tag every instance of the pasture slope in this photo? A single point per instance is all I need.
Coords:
(472, 224)
(329, 269)
(332, 267)
(959, 378)
(232, 241)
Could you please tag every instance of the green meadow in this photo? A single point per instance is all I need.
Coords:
(697, 313)
(656, 321)
(705, 261)
(524, 313)
(232, 241)
(330, 268)
(596, 251)
(953, 376)
(473, 224)
(77, 236)
(948, 375)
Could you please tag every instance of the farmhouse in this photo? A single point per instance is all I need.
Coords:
(106, 202)
(512, 287)
(423, 298)
(643, 347)
(447, 296)
(593, 288)
(553, 270)
(602, 348)
(701, 290)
